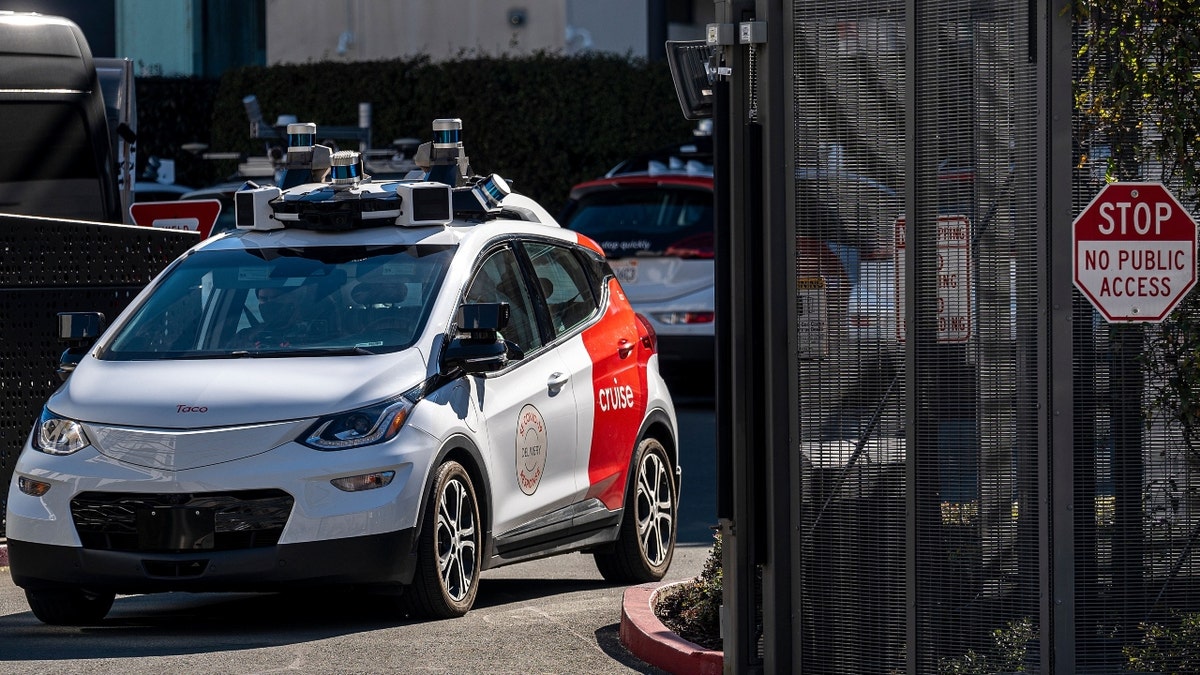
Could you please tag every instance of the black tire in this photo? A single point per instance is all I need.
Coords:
(646, 542)
(450, 548)
(69, 606)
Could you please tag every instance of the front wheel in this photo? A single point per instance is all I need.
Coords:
(449, 552)
(69, 606)
(646, 541)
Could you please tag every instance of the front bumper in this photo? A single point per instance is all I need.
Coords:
(375, 559)
(258, 522)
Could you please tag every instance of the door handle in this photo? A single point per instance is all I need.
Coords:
(625, 348)
(556, 381)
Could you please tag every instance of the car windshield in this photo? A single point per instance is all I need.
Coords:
(328, 300)
(645, 221)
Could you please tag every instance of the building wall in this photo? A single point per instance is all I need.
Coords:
(613, 26)
(702, 13)
(159, 36)
(164, 37)
(300, 31)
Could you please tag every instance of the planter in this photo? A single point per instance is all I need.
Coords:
(647, 638)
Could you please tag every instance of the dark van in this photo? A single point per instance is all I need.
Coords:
(56, 158)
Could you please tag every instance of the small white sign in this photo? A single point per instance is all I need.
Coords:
(953, 279)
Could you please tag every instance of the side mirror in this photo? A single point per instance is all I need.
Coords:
(483, 318)
(80, 326)
(80, 331)
(478, 347)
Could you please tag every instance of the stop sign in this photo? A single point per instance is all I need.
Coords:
(1135, 252)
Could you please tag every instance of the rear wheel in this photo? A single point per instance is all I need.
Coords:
(69, 606)
(448, 551)
(646, 542)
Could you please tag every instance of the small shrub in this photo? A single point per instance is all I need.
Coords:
(693, 609)
(1009, 645)
(1174, 650)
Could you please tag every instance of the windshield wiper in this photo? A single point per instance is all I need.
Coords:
(356, 350)
(308, 351)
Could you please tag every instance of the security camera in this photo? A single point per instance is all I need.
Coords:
(516, 18)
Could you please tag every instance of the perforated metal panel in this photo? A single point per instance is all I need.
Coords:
(926, 259)
(50, 266)
(978, 248)
(849, 181)
(931, 530)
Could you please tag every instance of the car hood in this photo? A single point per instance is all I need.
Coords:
(199, 394)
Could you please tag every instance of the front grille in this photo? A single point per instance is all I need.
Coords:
(120, 521)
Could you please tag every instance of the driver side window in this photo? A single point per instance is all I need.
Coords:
(499, 279)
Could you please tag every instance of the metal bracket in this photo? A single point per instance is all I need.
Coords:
(752, 32)
(719, 34)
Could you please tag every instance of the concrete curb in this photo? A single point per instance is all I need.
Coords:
(648, 639)
(4, 554)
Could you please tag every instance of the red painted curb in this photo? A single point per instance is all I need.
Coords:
(648, 639)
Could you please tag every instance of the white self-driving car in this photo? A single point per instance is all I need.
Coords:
(388, 384)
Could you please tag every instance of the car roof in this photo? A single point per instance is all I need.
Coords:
(519, 215)
(220, 189)
(51, 51)
(470, 236)
(636, 181)
(694, 157)
(687, 164)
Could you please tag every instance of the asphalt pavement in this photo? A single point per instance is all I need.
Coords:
(555, 615)
(548, 616)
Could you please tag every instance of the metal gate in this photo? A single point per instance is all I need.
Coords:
(48, 266)
(970, 471)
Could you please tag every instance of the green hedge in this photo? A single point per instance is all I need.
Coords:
(543, 122)
(173, 111)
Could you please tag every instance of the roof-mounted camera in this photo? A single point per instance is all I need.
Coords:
(325, 190)
(443, 159)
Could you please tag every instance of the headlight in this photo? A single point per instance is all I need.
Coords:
(374, 424)
(56, 435)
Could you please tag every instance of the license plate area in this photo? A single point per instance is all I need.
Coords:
(625, 270)
(175, 528)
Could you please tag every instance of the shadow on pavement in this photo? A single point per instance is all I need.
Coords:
(494, 591)
(184, 623)
(609, 639)
(141, 626)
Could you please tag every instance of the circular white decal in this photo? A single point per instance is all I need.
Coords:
(531, 449)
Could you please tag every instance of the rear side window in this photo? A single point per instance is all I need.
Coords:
(564, 285)
(653, 220)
